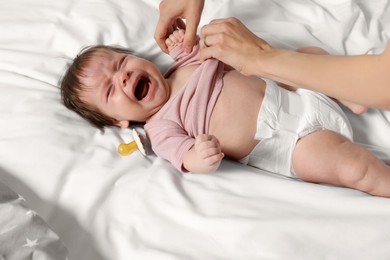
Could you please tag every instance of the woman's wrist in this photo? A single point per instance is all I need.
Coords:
(273, 64)
(266, 62)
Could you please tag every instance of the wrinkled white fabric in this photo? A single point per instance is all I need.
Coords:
(104, 206)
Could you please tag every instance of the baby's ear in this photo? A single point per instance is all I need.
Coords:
(122, 124)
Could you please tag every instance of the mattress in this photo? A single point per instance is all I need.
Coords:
(105, 206)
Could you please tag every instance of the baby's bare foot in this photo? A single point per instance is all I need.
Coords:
(356, 108)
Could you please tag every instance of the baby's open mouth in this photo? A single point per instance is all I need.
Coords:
(142, 88)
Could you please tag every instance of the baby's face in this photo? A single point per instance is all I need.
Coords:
(124, 87)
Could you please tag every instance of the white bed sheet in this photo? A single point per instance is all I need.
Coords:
(104, 206)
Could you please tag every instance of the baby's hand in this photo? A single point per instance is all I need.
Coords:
(209, 151)
(174, 39)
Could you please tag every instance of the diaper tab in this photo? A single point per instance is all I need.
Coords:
(281, 109)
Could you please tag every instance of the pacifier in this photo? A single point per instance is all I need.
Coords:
(137, 144)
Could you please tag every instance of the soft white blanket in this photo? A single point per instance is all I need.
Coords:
(104, 206)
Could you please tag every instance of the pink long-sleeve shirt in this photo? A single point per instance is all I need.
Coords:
(173, 130)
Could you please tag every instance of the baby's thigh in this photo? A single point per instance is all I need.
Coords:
(318, 156)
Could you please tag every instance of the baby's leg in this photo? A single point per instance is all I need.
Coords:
(327, 157)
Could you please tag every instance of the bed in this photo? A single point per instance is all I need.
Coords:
(97, 205)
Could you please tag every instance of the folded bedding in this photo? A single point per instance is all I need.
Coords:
(23, 234)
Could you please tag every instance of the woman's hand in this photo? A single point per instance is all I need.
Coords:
(171, 14)
(231, 42)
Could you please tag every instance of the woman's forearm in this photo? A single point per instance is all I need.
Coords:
(361, 79)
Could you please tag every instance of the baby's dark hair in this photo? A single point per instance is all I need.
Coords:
(71, 86)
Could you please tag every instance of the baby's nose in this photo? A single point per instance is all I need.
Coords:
(123, 78)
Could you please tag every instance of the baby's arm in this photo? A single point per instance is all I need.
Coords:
(205, 156)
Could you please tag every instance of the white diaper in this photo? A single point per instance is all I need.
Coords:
(286, 116)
